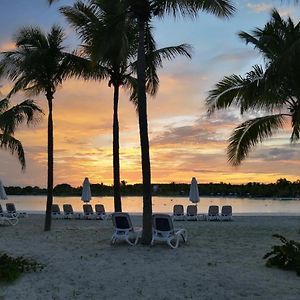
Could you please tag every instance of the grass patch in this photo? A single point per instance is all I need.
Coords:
(285, 256)
(11, 268)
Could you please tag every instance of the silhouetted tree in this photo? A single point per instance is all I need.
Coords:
(39, 64)
(143, 11)
(272, 89)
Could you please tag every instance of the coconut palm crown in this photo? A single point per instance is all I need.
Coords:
(272, 89)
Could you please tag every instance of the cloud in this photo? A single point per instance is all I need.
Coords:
(260, 7)
(207, 132)
(263, 7)
(240, 55)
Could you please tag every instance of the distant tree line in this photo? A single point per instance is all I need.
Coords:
(281, 188)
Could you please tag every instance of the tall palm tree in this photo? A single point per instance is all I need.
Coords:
(12, 117)
(110, 40)
(143, 11)
(272, 89)
(39, 65)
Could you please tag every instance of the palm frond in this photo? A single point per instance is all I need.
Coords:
(31, 37)
(190, 8)
(250, 133)
(226, 93)
(254, 91)
(295, 124)
(168, 53)
(3, 105)
(108, 35)
(27, 111)
(8, 142)
(131, 84)
(40, 63)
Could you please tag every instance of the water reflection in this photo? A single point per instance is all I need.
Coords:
(37, 204)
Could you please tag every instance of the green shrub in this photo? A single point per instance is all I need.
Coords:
(11, 268)
(285, 256)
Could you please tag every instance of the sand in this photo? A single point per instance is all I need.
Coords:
(222, 260)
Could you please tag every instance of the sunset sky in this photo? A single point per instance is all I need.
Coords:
(184, 141)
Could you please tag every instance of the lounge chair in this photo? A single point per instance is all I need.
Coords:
(178, 213)
(55, 212)
(226, 213)
(9, 220)
(191, 213)
(11, 211)
(123, 229)
(100, 211)
(2, 214)
(88, 212)
(69, 213)
(213, 213)
(163, 231)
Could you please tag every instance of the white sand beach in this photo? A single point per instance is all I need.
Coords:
(222, 260)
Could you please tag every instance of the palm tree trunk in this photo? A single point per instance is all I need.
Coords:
(144, 140)
(116, 155)
(47, 227)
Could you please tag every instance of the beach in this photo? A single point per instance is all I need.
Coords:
(221, 260)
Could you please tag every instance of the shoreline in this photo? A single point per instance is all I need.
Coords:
(139, 214)
(167, 196)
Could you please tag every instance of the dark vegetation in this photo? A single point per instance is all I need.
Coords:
(11, 268)
(282, 188)
(285, 256)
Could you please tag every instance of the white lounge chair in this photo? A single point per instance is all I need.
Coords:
(88, 212)
(2, 213)
(191, 213)
(100, 211)
(11, 211)
(163, 231)
(9, 221)
(69, 212)
(6, 219)
(226, 213)
(55, 212)
(123, 229)
(178, 213)
(213, 213)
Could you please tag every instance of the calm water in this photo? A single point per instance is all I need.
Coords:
(37, 204)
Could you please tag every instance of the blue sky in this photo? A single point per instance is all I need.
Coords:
(184, 141)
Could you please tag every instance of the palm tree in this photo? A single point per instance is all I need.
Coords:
(39, 65)
(12, 117)
(110, 40)
(143, 11)
(272, 89)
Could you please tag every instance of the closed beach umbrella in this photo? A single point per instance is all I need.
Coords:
(86, 195)
(194, 192)
(2, 191)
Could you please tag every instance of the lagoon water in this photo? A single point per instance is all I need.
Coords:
(241, 206)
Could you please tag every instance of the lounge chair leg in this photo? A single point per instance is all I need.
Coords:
(152, 242)
(129, 242)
